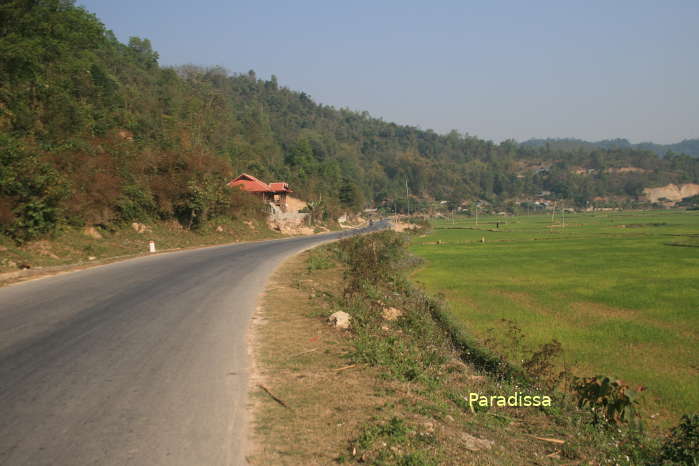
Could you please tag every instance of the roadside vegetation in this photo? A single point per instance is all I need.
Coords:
(94, 132)
(394, 388)
(70, 248)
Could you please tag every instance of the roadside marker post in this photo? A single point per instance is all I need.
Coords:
(151, 246)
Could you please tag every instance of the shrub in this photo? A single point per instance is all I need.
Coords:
(609, 400)
(682, 445)
(371, 259)
(30, 193)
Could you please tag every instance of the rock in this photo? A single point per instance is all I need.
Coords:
(91, 258)
(391, 313)
(219, 229)
(92, 233)
(139, 227)
(477, 378)
(340, 320)
(476, 444)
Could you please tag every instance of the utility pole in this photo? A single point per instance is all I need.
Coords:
(407, 195)
(563, 215)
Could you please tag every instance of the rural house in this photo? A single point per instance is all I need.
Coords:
(274, 192)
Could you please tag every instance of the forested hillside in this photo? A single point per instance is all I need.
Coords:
(93, 131)
(687, 147)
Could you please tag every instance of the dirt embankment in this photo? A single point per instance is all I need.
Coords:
(672, 192)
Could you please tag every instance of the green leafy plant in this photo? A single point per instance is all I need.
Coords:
(609, 400)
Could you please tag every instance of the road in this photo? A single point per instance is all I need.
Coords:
(139, 362)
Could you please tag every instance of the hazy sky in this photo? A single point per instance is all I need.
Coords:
(494, 69)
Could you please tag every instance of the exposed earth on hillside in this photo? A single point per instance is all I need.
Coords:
(672, 192)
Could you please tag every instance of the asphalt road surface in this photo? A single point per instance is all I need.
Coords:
(139, 362)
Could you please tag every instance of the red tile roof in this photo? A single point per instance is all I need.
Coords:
(280, 186)
(251, 184)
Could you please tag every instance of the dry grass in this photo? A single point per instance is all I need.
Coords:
(297, 357)
(341, 411)
(74, 249)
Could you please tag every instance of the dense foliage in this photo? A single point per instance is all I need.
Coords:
(96, 132)
(687, 146)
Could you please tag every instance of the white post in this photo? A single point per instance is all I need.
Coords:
(563, 215)
(151, 246)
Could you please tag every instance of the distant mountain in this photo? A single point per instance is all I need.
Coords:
(688, 146)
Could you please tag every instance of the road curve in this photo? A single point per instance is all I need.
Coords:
(138, 362)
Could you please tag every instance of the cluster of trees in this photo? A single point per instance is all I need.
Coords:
(687, 146)
(93, 131)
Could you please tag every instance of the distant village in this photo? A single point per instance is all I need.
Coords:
(293, 215)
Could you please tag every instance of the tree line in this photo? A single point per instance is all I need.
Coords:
(94, 131)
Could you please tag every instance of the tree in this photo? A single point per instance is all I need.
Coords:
(144, 53)
(349, 195)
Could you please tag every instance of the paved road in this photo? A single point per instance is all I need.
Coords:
(139, 362)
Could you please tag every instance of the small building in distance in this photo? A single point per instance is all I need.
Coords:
(274, 193)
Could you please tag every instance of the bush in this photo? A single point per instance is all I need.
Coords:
(30, 193)
(609, 400)
(371, 259)
(682, 446)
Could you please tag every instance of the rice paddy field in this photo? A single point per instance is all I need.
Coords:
(619, 290)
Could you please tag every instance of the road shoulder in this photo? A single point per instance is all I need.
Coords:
(304, 399)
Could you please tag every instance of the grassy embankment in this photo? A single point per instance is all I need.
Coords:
(393, 389)
(620, 291)
(72, 247)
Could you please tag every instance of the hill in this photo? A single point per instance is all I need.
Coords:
(688, 146)
(96, 132)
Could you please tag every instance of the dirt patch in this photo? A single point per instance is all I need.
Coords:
(294, 204)
(42, 247)
(672, 192)
(627, 170)
(522, 299)
(299, 359)
(593, 313)
(400, 226)
(598, 310)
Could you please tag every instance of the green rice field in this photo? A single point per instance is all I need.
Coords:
(619, 290)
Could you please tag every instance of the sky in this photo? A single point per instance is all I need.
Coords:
(493, 69)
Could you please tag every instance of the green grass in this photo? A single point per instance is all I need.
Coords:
(613, 288)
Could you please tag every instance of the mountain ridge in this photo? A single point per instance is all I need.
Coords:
(686, 146)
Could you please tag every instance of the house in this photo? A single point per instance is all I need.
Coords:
(274, 192)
